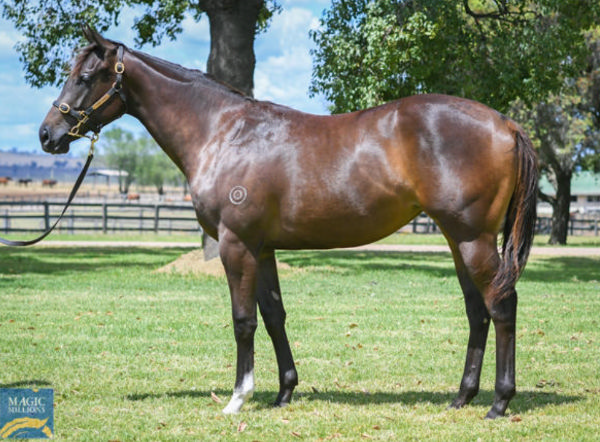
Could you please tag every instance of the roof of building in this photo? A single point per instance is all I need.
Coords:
(582, 183)
(108, 173)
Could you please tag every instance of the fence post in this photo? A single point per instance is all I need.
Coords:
(6, 221)
(46, 215)
(156, 210)
(570, 226)
(104, 218)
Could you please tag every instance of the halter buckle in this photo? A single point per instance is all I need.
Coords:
(119, 67)
(64, 108)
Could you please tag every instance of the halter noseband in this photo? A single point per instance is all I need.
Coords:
(85, 116)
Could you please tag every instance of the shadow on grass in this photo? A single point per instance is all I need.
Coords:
(562, 269)
(435, 263)
(26, 384)
(59, 260)
(523, 402)
(540, 269)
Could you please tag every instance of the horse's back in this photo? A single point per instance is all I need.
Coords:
(343, 180)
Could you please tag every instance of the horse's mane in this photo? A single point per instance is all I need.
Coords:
(164, 67)
(181, 73)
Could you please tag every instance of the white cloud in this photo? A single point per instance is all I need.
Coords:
(284, 66)
(13, 135)
(8, 39)
(198, 31)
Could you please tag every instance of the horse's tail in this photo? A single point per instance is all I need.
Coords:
(519, 224)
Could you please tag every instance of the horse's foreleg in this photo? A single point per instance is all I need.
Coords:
(504, 314)
(240, 267)
(273, 314)
(479, 325)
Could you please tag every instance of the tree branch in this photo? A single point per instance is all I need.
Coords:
(502, 10)
(546, 198)
(503, 13)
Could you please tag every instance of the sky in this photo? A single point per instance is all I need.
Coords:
(282, 74)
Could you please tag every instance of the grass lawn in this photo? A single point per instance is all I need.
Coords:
(379, 339)
(192, 238)
(438, 239)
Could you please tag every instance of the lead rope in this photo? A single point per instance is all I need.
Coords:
(93, 138)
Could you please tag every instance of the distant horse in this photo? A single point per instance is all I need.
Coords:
(265, 177)
(24, 181)
(48, 183)
(4, 180)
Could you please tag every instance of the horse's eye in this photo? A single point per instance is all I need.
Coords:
(85, 77)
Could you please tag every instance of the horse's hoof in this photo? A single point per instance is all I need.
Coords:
(457, 404)
(283, 398)
(493, 414)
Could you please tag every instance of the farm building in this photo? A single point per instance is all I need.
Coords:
(585, 194)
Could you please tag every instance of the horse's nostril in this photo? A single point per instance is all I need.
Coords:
(44, 135)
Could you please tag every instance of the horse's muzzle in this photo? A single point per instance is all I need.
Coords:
(50, 143)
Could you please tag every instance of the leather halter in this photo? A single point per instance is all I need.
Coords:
(84, 117)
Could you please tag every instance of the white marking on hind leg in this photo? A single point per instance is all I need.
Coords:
(241, 394)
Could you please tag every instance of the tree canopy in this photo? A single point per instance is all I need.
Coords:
(493, 51)
(565, 128)
(51, 29)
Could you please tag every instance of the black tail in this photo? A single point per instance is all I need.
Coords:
(519, 224)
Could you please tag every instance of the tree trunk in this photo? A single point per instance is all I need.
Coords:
(561, 209)
(231, 59)
(232, 31)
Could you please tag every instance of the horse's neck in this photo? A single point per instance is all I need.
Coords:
(176, 105)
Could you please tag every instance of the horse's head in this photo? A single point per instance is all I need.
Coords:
(91, 97)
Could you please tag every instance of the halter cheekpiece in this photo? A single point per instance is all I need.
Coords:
(85, 116)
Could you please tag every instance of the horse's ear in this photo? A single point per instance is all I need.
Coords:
(93, 36)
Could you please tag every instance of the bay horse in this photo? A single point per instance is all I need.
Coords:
(265, 177)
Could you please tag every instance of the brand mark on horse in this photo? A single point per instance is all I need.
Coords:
(237, 195)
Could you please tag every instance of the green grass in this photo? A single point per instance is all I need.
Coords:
(379, 339)
(186, 237)
(438, 239)
(402, 238)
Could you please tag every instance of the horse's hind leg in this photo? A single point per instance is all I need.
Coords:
(479, 325)
(477, 263)
(273, 314)
(504, 314)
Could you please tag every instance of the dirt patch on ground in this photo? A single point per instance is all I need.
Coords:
(193, 263)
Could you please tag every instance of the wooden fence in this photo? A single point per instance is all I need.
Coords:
(99, 217)
(36, 216)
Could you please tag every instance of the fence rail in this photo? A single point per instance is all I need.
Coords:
(105, 217)
(36, 216)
